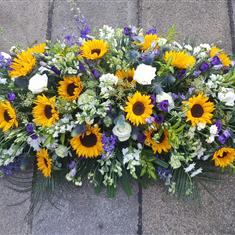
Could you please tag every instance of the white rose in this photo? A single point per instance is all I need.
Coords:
(122, 131)
(38, 83)
(166, 96)
(144, 74)
(227, 96)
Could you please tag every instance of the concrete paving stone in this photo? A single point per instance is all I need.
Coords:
(164, 214)
(12, 217)
(97, 13)
(84, 212)
(201, 21)
(23, 22)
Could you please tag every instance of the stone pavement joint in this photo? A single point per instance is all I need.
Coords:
(231, 8)
(49, 20)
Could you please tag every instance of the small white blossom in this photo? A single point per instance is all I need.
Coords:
(190, 167)
(188, 47)
(201, 126)
(198, 171)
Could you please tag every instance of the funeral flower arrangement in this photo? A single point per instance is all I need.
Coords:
(120, 106)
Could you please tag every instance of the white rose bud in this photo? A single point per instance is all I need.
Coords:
(38, 83)
(144, 74)
(122, 131)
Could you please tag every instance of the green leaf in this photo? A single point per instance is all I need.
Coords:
(125, 182)
(161, 163)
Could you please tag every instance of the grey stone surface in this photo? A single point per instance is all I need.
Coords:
(197, 20)
(12, 217)
(163, 214)
(23, 22)
(87, 213)
(97, 13)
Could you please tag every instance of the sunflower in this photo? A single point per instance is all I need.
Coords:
(45, 113)
(127, 76)
(88, 144)
(7, 116)
(22, 64)
(94, 49)
(224, 58)
(180, 60)
(44, 162)
(39, 48)
(149, 41)
(224, 157)
(162, 145)
(138, 108)
(200, 109)
(70, 88)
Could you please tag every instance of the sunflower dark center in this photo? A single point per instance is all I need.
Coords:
(7, 116)
(88, 140)
(48, 111)
(197, 110)
(223, 155)
(138, 108)
(70, 89)
(97, 51)
(45, 162)
(130, 79)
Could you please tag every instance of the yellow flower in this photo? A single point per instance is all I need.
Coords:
(162, 145)
(88, 144)
(180, 60)
(224, 58)
(44, 162)
(150, 41)
(199, 109)
(22, 64)
(138, 108)
(7, 116)
(39, 48)
(70, 88)
(45, 113)
(224, 157)
(127, 76)
(94, 49)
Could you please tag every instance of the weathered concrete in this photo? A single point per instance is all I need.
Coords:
(87, 213)
(198, 20)
(163, 214)
(97, 13)
(12, 217)
(23, 22)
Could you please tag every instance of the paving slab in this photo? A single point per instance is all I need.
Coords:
(164, 214)
(97, 13)
(84, 212)
(23, 22)
(197, 20)
(12, 217)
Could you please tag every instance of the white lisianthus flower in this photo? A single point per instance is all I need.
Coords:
(227, 95)
(122, 131)
(144, 74)
(38, 83)
(166, 96)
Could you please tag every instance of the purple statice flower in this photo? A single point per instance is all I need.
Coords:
(152, 31)
(11, 96)
(164, 105)
(82, 67)
(85, 31)
(71, 165)
(96, 73)
(218, 67)
(11, 167)
(109, 143)
(174, 96)
(226, 70)
(127, 31)
(149, 57)
(218, 124)
(163, 173)
(215, 60)
(191, 90)
(153, 99)
(141, 138)
(159, 118)
(183, 97)
(196, 73)
(224, 136)
(55, 70)
(4, 60)
(204, 67)
(180, 73)
(150, 120)
(30, 128)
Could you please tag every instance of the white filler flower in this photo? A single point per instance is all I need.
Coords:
(144, 74)
(38, 83)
